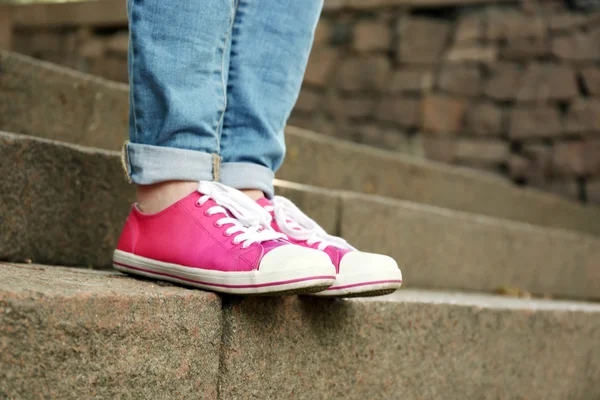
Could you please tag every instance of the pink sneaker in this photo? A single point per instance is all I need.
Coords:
(219, 239)
(358, 273)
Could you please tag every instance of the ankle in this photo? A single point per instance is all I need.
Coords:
(155, 198)
(254, 194)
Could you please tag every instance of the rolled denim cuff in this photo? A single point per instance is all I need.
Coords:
(241, 175)
(146, 164)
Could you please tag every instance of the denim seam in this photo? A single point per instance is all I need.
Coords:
(132, 78)
(219, 123)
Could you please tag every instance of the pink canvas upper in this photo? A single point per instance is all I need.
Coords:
(185, 234)
(335, 254)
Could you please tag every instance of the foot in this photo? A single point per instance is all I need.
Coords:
(218, 239)
(358, 273)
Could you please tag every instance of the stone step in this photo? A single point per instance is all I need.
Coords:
(41, 99)
(65, 204)
(75, 334)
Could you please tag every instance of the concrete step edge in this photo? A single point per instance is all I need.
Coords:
(80, 198)
(92, 111)
(74, 334)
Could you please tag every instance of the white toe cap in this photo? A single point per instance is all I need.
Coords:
(297, 258)
(377, 265)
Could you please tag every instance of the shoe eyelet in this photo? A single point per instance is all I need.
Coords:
(197, 204)
(217, 225)
(226, 234)
(207, 214)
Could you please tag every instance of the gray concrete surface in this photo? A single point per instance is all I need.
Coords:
(65, 204)
(41, 99)
(76, 334)
(79, 334)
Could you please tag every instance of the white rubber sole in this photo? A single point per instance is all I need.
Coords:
(289, 280)
(363, 284)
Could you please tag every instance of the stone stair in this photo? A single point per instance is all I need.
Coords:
(41, 99)
(77, 333)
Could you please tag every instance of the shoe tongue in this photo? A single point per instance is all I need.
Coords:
(264, 202)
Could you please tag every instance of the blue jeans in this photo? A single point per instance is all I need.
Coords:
(212, 85)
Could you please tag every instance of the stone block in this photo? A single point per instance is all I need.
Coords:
(415, 80)
(363, 73)
(60, 203)
(592, 191)
(541, 121)
(591, 80)
(320, 66)
(77, 334)
(485, 252)
(401, 110)
(469, 29)
(581, 157)
(462, 80)
(485, 119)
(482, 150)
(419, 344)
(484, 54)
(583, 116)
(57, 103)
(512, 25)
(372, 36)
(547, 82)
(579, 46)
(349, 107)
(422, 40)
(525, 49)
(443, 114)
(323, 33)
(504, 81)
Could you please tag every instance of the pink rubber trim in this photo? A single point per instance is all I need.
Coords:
(311, 278)
(363, 284)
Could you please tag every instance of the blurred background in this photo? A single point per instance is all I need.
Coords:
(508, 87)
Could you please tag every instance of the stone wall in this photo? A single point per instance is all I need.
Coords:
(503, 86)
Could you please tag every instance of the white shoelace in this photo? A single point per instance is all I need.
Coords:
(249, 218)
(297, 225)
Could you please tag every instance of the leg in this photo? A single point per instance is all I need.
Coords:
(269, 51)
(177, 68)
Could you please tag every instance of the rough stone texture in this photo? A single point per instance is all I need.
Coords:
(366, 170)
(75, 334)
(484, 119)
(372, 35)
(38, 98)
(447, 249)
(443, 114)
(525, 49)
(577, 46)
(308, 101)
(591, 79)
(461, 80)
(469, 29)
(485, 150)
(411, 80)
(542, 121)
(514, 26)
(401, 110)
(412, 345)
(583, 116)
(320, 66)
(363, 73)
(504, 81)
(422, 40)
(547, 82)
(60, 203)
(485, 54)
(354, 107)
(577, 157)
